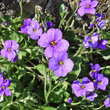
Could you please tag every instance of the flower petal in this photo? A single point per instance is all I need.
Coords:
(94, 3)
(68, 65)
(7, 44)
(4, 53)
(49, 51)
(7, 92)
(62, 45)
(44, 40)
(15, 45)
(81, 11)
(54, 64)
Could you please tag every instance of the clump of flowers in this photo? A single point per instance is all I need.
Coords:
(10, 50)
(87, 7)
(95, 42)
(31, 27)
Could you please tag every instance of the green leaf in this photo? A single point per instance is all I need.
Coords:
(41, 68)
(56, 96)
(47, 108)
(62, 107)
(105, 54)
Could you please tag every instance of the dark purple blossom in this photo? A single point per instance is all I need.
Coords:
(53, 42)
(69, 100)
(34, 30)
(80, 89)
(102, 44)
(49, 24)
(91, 25)
(91, 96)
(87, 7)
(107, 101)
(100, 16)
(101, 24)
(91, 41)
(101, 82)
(61, 64)
(95, 69)
(9, 51)
(4, 84)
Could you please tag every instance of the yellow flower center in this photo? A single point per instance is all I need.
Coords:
(94, 70)
(3, 87)
(53, 43)
(61, 63)
(9, 49)
(99, 83)
(34, 30)
(87, 6)
(82, 86)
(90, 40)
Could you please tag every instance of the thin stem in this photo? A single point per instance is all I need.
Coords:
(21, 8)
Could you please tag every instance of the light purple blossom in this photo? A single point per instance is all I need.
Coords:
(95, 69)
(53, 42)
(107, 101)
(101, 82)
(91, 41)
(9, 51)
(27, 22)
(61, 64)
(87, 7)
(101, 24)
(91, 96)
(80, 89)
(34, 30)
(4, 84)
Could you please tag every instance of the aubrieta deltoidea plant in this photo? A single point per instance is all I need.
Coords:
(45, 65)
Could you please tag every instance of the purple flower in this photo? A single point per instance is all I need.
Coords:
(53, 42)
(49, 24)
(101, 82)
(14, 59)
(81, 89)
(69, 100)
(4, 84)
(102, 44)
(107, 101)
(91, 96)
(87, 6)
(34, 30)
(100, 16)
(91, 25)
(9, 51)
(91, 41)
(27, 22)
(101, 24)
(95, 69)
(61, 64)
